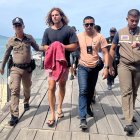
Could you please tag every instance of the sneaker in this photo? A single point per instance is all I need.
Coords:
(129, 129)
(26, 107)
(90, 113)
(13, 121)
(71, 77)
(83, 124)
(109, 87)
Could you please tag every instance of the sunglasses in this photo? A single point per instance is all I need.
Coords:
(17, 25)
(89, 24)
(112, 31)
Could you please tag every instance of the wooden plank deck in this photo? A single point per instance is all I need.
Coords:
(107, 123)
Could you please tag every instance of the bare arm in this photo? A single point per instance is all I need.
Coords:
(5, 58)
(106, 56)
(106, 63)
(112, 53)
(111, 56)
(36, 46)
(71, 47)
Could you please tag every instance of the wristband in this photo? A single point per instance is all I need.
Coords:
(106, 67)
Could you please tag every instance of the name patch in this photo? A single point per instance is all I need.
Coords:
(124, 37)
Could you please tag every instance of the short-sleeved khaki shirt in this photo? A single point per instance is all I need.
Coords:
(21, 49)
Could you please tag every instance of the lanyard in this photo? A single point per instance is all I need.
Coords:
(86, 41)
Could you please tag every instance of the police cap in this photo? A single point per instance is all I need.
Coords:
(113, 29)
(17, 20)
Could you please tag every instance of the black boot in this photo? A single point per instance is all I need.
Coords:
(26, 107)
(13, 121)
(129, 129)
(134, 119)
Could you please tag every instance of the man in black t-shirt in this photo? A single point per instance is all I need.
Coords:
(58, 31)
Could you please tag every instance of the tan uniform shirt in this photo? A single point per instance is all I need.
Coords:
(128, 54)
(21, 50)
(90, 60)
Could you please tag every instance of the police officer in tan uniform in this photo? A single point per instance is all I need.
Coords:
(20, 46)
(129, 66)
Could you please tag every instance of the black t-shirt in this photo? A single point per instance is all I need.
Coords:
(65, 35)
(109, 41)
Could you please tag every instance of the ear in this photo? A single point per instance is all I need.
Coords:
(127, 18)
(23, 26)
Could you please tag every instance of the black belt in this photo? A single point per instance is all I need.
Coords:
(22, 66)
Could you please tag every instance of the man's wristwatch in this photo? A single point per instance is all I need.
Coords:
(106, 67)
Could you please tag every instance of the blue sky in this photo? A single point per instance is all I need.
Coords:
(107, 13)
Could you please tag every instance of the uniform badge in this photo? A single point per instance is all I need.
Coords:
(124, 37)
(17, 19)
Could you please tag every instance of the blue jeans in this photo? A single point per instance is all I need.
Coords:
(87, 78)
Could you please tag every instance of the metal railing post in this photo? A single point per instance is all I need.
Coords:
(9, 65)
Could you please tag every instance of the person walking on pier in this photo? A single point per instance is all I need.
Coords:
(129, 65)
(21, 67)
(89, 66)
(58, 31)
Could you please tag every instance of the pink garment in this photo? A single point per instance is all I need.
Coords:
(55, 61)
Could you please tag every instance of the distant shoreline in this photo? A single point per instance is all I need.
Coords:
(3, 36)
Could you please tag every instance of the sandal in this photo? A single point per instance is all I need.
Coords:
(51, 123)
(60, 115)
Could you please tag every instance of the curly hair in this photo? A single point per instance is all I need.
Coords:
(49, 17)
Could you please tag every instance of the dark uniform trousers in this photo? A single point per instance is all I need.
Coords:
(129, 88)
(16, 76)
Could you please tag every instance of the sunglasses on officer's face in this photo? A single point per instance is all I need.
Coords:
(112, 31)
(89, 24)
(17, 25)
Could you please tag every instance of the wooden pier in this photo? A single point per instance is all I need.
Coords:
(107, 123)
